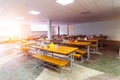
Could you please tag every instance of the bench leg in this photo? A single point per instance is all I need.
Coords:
(52, 55)
(82, 58)
(40, 63)
(119, 51)
(88, 52)
(61, 70)
(63, 75)
(94, 50)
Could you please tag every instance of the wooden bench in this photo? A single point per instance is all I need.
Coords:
(77, 55)
(52, 60)
(80, 53)
(93, 47)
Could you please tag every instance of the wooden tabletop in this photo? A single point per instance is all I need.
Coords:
(45, 40)
(27, 43)
(77, 43)
(64, 50)
(91, 40)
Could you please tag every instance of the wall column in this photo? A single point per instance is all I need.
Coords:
(67, 29)
(49, 29)
(58, 30)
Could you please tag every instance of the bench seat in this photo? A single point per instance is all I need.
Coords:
(94, 48)
(77, 55)
(51, 60)
(82, 52)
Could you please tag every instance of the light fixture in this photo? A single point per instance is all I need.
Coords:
(34, 12)
(20, 18)
(65, 2)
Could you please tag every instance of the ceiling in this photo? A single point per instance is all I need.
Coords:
(77, 12)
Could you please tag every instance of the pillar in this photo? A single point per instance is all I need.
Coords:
(49, 30)
(67, 29)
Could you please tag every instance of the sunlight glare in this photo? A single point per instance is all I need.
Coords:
(9, 29)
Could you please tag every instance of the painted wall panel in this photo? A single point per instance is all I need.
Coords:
(109, 28)
(63, 29)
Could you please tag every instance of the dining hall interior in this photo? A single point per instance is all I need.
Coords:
(60, 40)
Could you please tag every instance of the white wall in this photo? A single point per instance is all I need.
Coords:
(71, 30)
(63, 29)
(55, 30)
(109, 28)
(39, 27)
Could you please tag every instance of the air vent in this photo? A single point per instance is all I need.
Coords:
(86, 12)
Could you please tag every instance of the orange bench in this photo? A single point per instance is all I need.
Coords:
(80, 53)
(52, 60)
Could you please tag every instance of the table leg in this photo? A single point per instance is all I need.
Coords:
(72, 61)
(88, 52)
(119, 51)
(97, 46)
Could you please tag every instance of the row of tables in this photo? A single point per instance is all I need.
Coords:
(83, 43)
(64, 50)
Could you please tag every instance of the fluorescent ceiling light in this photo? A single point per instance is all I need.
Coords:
(34, 12)
(65, 2)
(19, 17)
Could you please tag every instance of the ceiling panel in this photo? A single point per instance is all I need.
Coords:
(105, 6)
(79, 11)
(116, 7)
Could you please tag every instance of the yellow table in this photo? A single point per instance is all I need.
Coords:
(84, 44)
(45, 40)
(77, 43)
(63, 50)
(60, 50)
(94, 41)
(91, 40)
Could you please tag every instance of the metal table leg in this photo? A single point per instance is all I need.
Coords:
(72, 66)
(119, 53)
(97, 46)
(88, 52)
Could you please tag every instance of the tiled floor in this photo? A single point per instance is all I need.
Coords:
(107, 63)
(15, 66)
(80, 73)
(7, 52)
